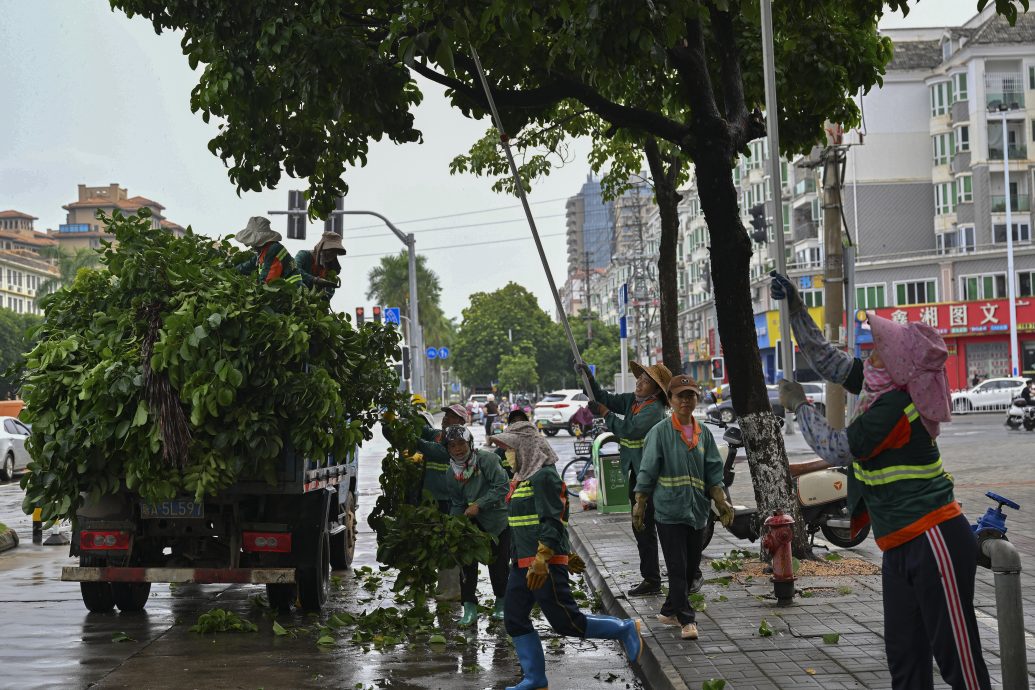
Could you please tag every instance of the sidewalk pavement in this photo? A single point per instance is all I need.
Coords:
(730, 646)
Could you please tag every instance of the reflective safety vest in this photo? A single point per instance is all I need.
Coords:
(901, 486)
(537, 512)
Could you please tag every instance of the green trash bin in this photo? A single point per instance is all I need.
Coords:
(612, 482)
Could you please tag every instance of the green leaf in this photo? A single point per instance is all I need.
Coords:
(140, 418)
(121, 637)
(437, 639)
(831, 638)
(764, 629)
(713, 684)
(833, 557)
(279, 629)
(325, 640)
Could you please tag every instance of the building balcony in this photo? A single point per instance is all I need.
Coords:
(1018, 203)
(74, 227)
(805, 186)
(1016, 151)
(1012, 99)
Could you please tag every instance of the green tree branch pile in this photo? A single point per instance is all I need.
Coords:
(167, 372)
(413, 536)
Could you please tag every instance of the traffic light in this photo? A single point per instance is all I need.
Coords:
(335, 223)
(360, 317)
(718, 370)
(296, 221)
(377, 314)
(759, 223)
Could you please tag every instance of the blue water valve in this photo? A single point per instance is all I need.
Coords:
(994, 520)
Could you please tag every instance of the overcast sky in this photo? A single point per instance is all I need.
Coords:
(92, 97)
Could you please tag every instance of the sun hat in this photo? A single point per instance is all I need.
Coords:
(658, 373)
(257, 233)
(457, 409)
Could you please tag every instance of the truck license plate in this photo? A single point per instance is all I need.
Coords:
(180, 508)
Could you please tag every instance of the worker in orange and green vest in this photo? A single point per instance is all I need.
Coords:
(320, 267)
(629, 416)
(270, 257)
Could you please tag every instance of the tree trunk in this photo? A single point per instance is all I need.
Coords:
(668, 277)
(731, 256)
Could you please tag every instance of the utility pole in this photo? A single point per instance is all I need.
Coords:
(833, 267)
(589, 309)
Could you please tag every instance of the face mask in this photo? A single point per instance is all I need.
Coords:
(511, 456)
(877, 379)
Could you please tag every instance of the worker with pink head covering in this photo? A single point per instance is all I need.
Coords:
(898, 485)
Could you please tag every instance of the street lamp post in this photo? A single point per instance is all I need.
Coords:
(416, 337)
(1010, 278)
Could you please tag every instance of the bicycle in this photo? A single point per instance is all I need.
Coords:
(581, 467)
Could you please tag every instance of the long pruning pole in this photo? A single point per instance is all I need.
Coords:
(505, 140)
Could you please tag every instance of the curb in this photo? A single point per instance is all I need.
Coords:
(658, 673)
(8, 540)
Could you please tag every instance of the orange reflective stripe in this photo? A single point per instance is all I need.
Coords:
(918, 527)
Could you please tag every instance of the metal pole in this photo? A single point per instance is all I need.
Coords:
(505, 140)
(850, 308)
(833, 275)
(1009, 605)
(1010, 279)
(773, 135)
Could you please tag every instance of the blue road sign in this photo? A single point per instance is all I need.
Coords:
(443, 353)
(622, 328)
(391, 315)
(432, 353)
(455, 387)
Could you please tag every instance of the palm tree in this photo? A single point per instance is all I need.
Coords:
(68, 264)
(390, 287)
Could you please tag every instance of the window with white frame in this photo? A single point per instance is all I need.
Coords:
(964, 189)
(915, 292)
(944, 146)
(941, 98)
(786, 217)
(944, 198)
(815, 209)
(963, 138)
(959, 86)
(870, 296)
(812, 298)
(985, 286)
(1026, 284)
(1021, 233)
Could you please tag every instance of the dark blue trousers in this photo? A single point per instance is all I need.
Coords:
(929, 609)
(554, 599)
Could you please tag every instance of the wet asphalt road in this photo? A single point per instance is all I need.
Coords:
(49, 640)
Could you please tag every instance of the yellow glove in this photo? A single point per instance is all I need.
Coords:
(576, 566)
(639, 511)
(725, 509)
(540, 568)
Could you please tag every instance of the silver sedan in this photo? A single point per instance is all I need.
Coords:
(13, 455)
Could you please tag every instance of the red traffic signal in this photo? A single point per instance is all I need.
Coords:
(377, 314)
(359, 316)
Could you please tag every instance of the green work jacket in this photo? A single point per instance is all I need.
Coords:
(537, 512)
(632, 427)
(436, 463)
(487, 487)
(273, 261)
(309, 269)
(678, 471)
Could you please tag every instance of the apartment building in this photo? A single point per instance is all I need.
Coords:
(83, 230)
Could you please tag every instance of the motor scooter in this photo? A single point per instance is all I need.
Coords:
(822, 499)
(1021, 413)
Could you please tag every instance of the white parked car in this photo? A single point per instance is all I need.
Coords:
(13, 455)
(989, 395)
(555, 410)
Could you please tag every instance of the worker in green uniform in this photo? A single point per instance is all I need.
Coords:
(629, 416)
(538, 516)
(270, 257)
(477, 490)
(681, 469)
(320, 267)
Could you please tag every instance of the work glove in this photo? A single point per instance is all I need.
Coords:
(639, 511)
(792, 395)
(725, 509)
(576, 566)
(581, 367)
(323, 282)
(597, 408)
(782, 288)
(539, 570)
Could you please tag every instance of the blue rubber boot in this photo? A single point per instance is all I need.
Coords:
(610, 628)
(533, 664)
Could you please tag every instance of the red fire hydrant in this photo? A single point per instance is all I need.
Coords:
(777, 541)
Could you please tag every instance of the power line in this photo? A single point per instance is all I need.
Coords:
(452, 227)
(456, 246)
(462, 213)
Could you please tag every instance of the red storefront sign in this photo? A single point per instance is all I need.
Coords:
(956, 319)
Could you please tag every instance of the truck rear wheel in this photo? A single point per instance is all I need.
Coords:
(314, 579)
(281, 597)
(130, 597)
(96, 595)
(343, 544)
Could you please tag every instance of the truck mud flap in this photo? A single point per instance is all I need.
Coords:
(254, 576)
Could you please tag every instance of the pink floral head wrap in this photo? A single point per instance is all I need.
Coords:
(914, 355)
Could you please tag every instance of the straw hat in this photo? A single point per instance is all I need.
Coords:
(659, 373)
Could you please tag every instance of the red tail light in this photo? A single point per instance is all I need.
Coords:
(277, 542)
(560, 405)
(103, 540)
